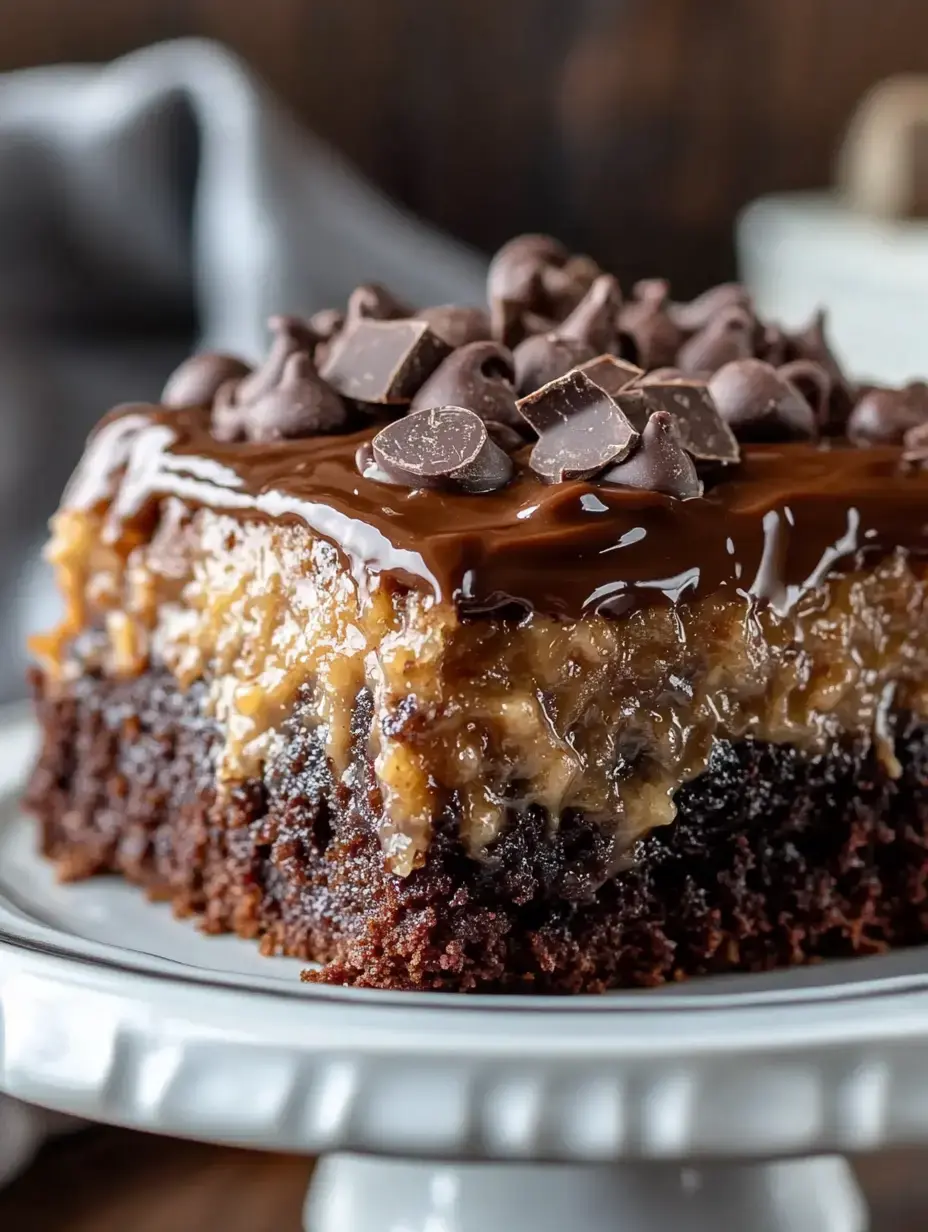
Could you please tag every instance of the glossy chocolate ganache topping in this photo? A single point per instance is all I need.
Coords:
(566, 449)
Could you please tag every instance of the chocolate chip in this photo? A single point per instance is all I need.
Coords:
(697, 313)
(196, 382)
(479, 376)
(291, 335)
(383, 362)
(514, 281)
(566, 285)
(646, 321)
(456, 326)
(372, 302)
(728, 336)
(773, 345)
(299, 405)
(595, 320)
(326, 323)
(703, 432)
(611, 373)
(545, 357)
(581, 429)
(885, 416)
(660, 463)
(364, 461)
(812, 343)
(760, 405)
(814, 383)
(445, 447)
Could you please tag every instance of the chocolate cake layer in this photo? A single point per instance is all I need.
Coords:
(775, 857)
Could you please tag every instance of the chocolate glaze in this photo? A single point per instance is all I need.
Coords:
(770, 528)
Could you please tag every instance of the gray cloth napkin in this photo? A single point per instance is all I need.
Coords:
(161, 201)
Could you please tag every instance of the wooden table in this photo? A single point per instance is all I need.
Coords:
(108, 1180)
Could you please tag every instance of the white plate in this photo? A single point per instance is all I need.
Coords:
(113, 1010)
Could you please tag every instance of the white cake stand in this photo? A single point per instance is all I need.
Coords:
(720, 1105)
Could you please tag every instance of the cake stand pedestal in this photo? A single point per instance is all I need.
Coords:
(725, 1104)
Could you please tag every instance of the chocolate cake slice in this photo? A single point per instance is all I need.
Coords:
(574, 644)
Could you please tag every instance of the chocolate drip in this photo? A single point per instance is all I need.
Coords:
(562, 549)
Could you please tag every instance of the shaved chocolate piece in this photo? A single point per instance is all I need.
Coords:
(611, 373)
(884, 416)
(760, 405)
(581, 429)
(383, 362)
(545, 357)
(301, 404)
(595, 320)
(728, 336)
(697, 313)
(445, 447)
(647, 322)
(457, 326)
(198, 379)
(704, 434)
(480, 377)
(660, 463)
(290, 336)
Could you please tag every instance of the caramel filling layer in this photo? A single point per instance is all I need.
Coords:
(605, 716)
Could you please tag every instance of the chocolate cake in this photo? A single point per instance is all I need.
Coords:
(571, 644)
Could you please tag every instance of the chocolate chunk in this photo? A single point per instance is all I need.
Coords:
(728, 336)
(611, 373)
(696, 315)
(581, 429)
(445, 447)
(595, 320)
(291, 335)
(383, 362)
(457, 326)
(480, 377)
(646, 321)
(885, 416)
(660, 463)
(760, 405)
(196, 382)
(659, 375)
(704, 434)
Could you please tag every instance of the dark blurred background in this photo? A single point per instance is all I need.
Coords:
(635, 129)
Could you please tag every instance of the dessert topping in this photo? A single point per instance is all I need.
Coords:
(455, 325)
(479, 376)
(660, 463)
(611, 373)
(581, 428)
(697, 313)
(727, 336)
(704, 434)
(198, 379)
(383, 362)
(650, 337)
(885, 416)
(534, 275)
(300, 404)
(444, 447)
(589, 330)
(759, 404)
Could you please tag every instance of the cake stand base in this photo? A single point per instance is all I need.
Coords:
(355, 1193)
